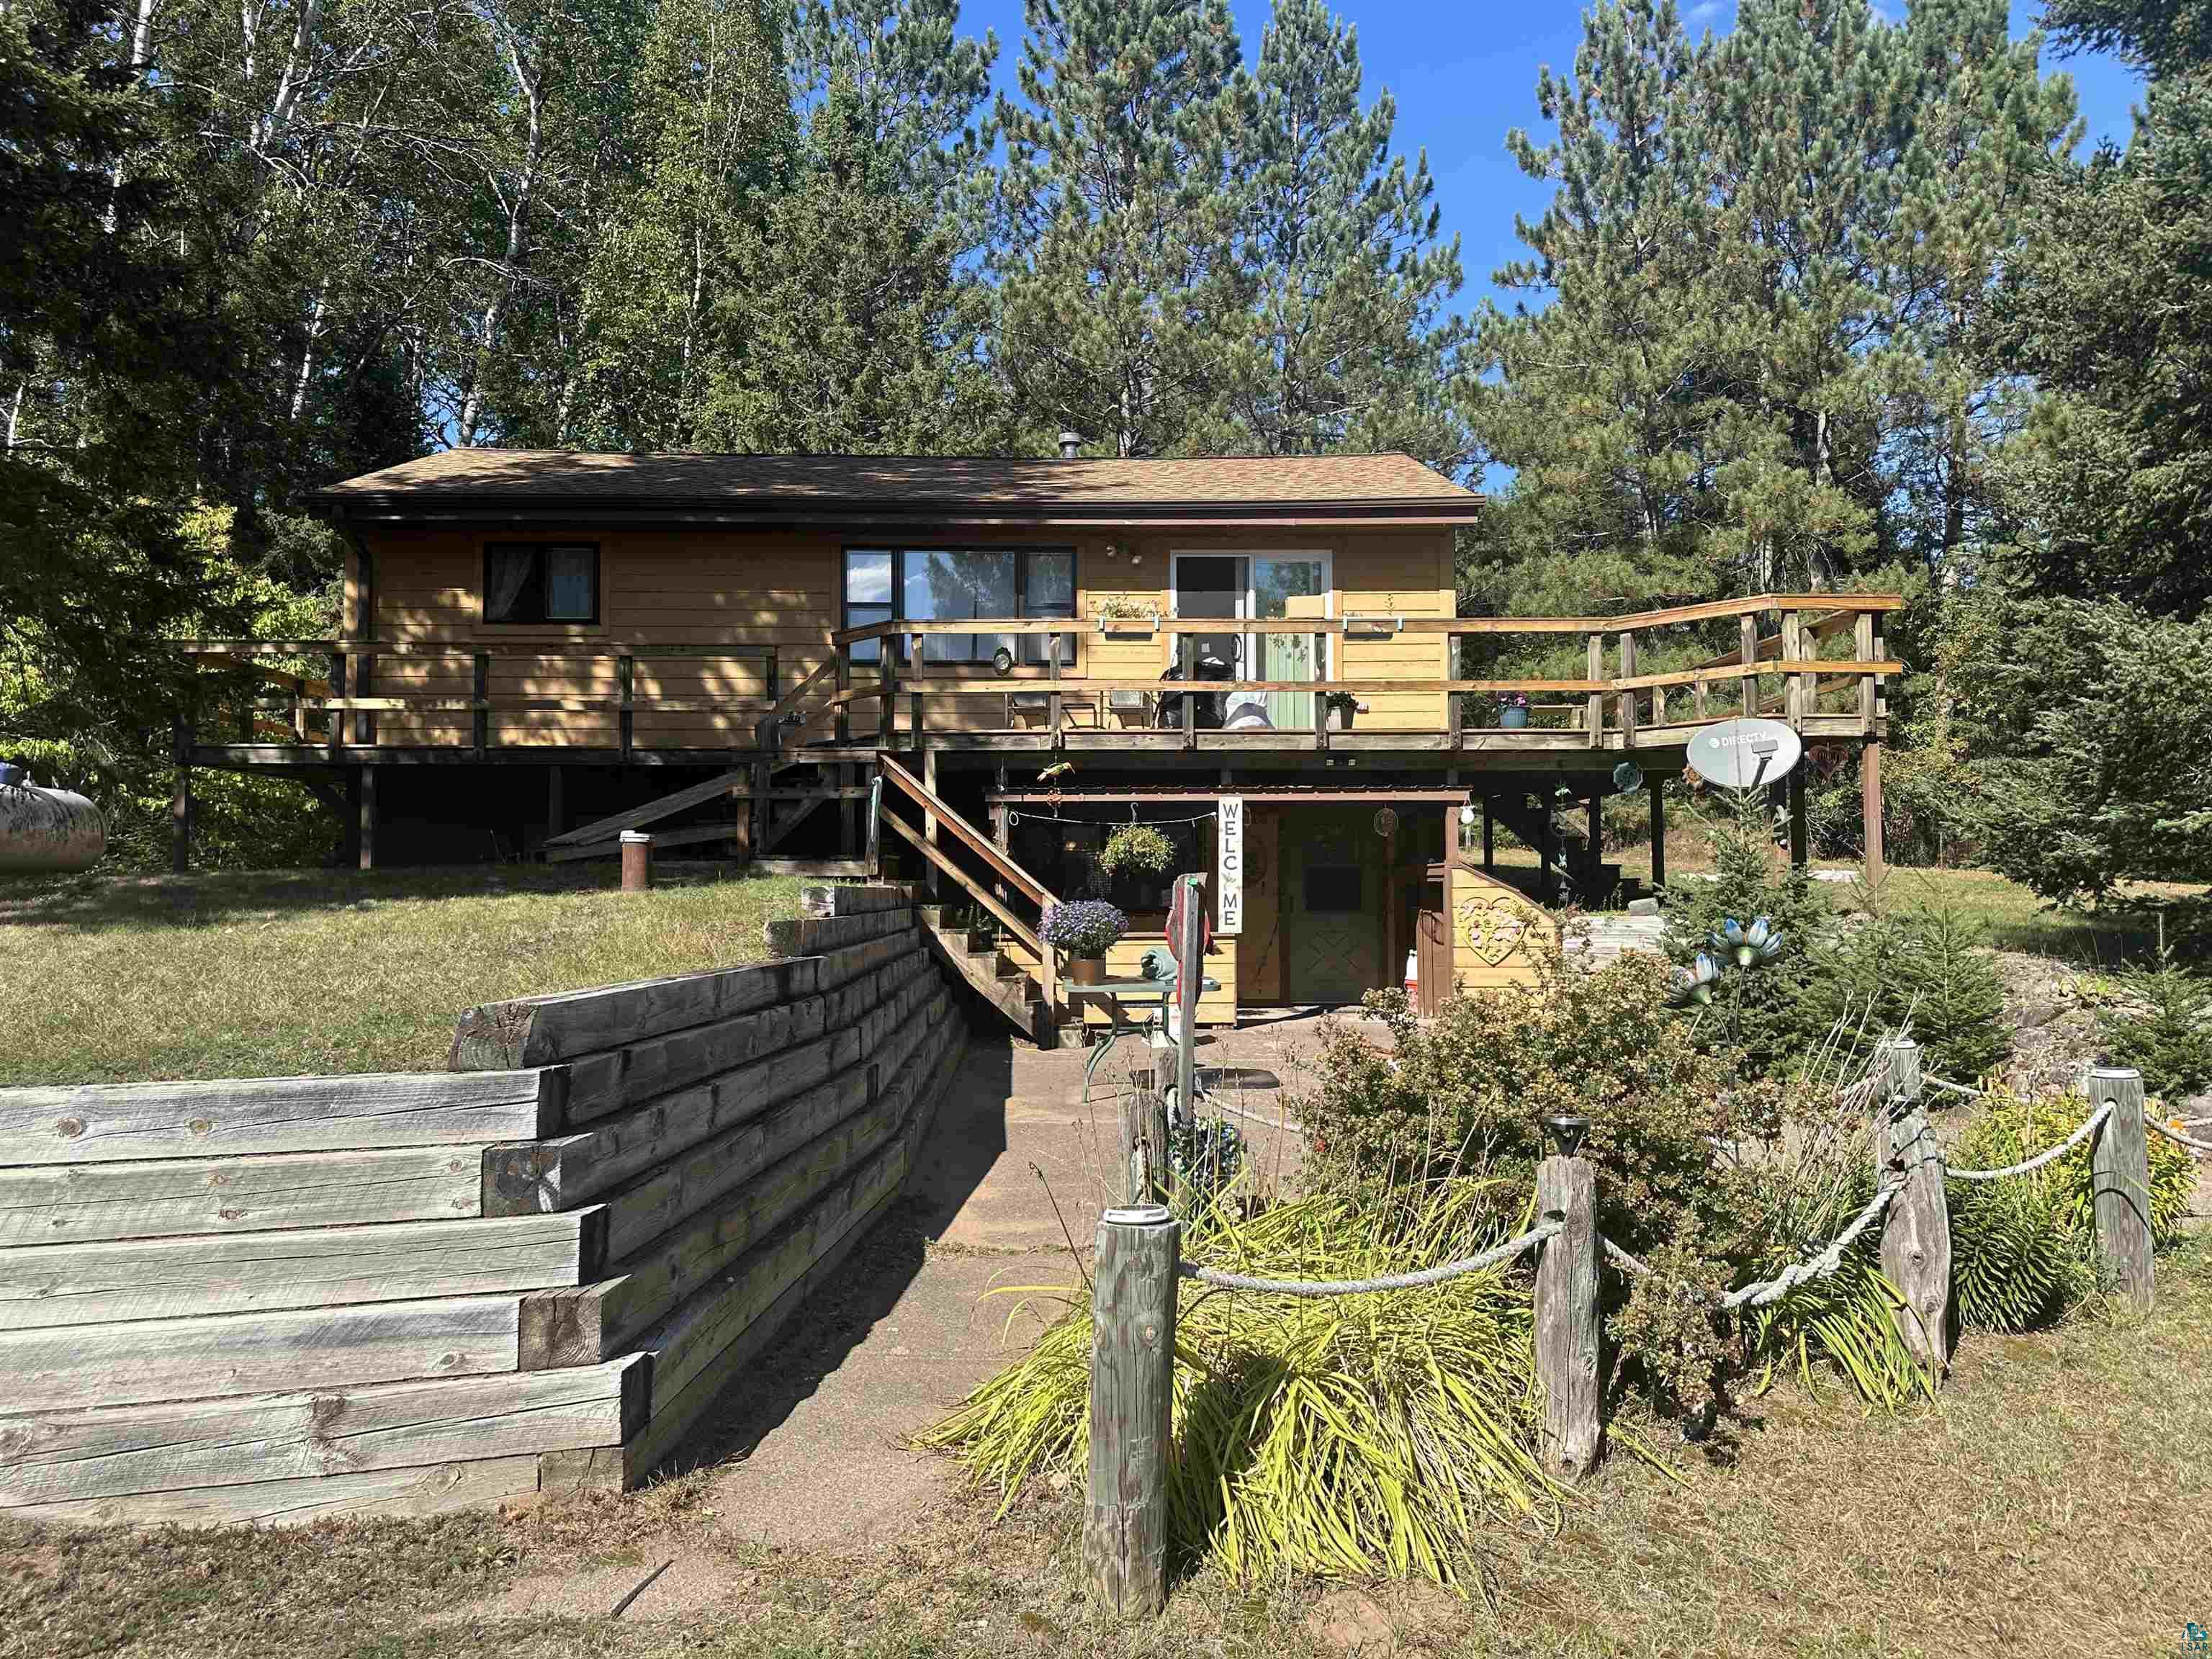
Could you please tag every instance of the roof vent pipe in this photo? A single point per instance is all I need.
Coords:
(1070, 445)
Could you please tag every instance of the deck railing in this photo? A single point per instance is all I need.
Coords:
(1622, 702)
(1611, 703)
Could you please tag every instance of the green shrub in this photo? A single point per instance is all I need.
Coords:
(1467, 1093)
(1349, 1436)
(2171, 1045)
(1769, 1012)
(1924, 967)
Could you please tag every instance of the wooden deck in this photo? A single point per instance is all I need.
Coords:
(1822, 668)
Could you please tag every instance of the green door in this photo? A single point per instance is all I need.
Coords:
(1332, 906)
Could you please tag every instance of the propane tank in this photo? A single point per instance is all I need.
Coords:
(46, 828)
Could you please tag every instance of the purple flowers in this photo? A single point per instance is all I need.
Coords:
(1083, 927)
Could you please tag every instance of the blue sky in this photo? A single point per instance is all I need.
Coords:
(1462, 74)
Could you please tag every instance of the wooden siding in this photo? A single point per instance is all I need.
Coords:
(782, 589)
(1491, 924)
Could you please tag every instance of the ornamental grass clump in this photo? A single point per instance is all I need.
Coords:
(1347, 1436)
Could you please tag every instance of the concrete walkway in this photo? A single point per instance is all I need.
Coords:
(931, 1304)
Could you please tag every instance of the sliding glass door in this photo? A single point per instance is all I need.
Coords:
(1286, 585)
(1241, 587)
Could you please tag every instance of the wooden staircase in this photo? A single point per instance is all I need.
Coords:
(954, 847)
(995, 977)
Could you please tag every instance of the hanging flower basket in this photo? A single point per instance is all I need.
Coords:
(1136, 846)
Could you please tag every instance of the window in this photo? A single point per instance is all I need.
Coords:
(541, 582)
(953, 583)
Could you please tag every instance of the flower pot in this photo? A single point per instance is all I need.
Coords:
(1513, 719)
(1086, 970)
(1340, 720)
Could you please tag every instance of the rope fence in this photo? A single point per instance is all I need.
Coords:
(1139, 1262)
(1761, 1292)
(2174, 1134)
(1949, 1087)
(1413, 1281)
(2051, 1155)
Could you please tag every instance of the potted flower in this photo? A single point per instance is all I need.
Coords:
(1341, 706)
(1138, 848)
(1513, 710)
(1085, 929)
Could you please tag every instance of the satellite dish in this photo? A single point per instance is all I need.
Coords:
(1744, 754)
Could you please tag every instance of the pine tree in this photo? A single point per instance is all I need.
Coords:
(1347, 344)
(1602, 400)
(859, 319)
(2106, 311)
(1118, 272)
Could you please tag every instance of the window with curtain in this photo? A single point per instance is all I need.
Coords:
(541, 582)
(916, 584)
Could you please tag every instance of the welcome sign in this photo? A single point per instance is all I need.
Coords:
(1229, 861)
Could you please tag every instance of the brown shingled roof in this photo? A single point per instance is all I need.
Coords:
(532, 482)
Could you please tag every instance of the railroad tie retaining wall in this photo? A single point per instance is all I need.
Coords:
(275, 1299)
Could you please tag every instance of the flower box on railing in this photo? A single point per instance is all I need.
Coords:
(1140, 626)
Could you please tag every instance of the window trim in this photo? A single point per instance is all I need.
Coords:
(542, 544)
(1024, 669)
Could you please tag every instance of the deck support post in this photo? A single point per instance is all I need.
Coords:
(556, 810)
(1801, 837)
(1125, 1522)
(1594, 850)
(1548, 880)
(1877, 863)
(365, 793)
(1489, 837)
(2119, 1183)
(181, 821)
(1658, 832)
(929, 819)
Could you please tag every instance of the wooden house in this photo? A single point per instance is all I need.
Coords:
(978, 666)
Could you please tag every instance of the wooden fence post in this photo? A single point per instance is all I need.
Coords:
(1566, 1304)
(1916, 1233)
(1149, 1173)
(636, 861)
(1125, 1525)
(2119, 1181)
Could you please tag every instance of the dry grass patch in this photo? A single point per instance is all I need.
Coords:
(2052, 1502)
(269, 975)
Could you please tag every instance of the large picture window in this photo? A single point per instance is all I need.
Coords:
(954, 584)
(541, 582)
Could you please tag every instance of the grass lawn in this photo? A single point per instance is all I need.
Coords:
(2016, 918)
(113, 979)
(2053, 1502)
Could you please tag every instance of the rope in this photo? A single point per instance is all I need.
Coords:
(2176, 1135)
(1954, 1088)
(1772, 1290)
(1621, 1258)
(1215, 1103)
(1474, 1264)
(1818, 1266)
(2041, 1158)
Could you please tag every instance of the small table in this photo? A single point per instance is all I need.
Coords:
(1114, 996)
